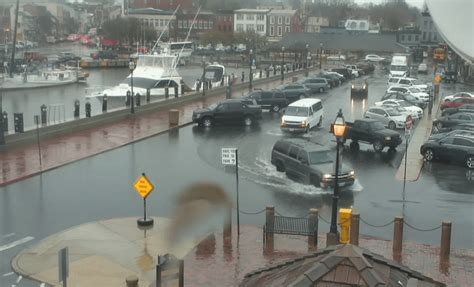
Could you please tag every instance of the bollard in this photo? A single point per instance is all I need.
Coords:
(127, 98)
(397, 238)
(182, 88)
(243, 77)
(269, 226)
(354, 237)
(18, 122)
(345, 223)
(148, 96)
(228, 224)
(44, 114)
(228, 92)
(5, 121)
(176, 91)
(88, 110)
(76, 108)
(268, 73)
(132, 281)
(445, 249)
(173, 117)
(137, 99)
(313, 228)
(104, 103)
(167, 92)
(260, 74)
(181, 273)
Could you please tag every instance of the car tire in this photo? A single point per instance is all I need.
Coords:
(320, 121)
(378, 146)
(308, 128)
(275, 108)
(280, 167)
(392, 125)
(428, 154)
(207, 122)
(248, 121)
(321, 90)
(470, 161)
(315, 180)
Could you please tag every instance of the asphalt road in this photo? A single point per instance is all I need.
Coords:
(101, 187)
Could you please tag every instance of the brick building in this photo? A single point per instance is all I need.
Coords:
(282, 22)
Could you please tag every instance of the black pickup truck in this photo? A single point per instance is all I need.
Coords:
(227, 112)
(371, 132)
(274, 100)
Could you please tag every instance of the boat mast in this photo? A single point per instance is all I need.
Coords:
(187, 36)
(166, 28)
(12, 62)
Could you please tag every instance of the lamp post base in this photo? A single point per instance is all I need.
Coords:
(332, 239)
(145, 222)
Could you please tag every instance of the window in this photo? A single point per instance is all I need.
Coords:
(435, 37)
(200, 24)
(180, 24)
(303, 156)
(280, 20)
(279, 31)
(272, 20)
(417, 38)
(222, 107)
(260, 28)
(429, 36)
(317, 106)
(272, 31)
(206, 25)
(317, 20)
(250, 27)
(240, 27)
(463, 142)
(235, 106)
(185, 23)
(250, 17)
(409, 38)
(282, 147)
(293, 152)
(287, 20)
(425, 24)
(287, 29)
(266, 96)
(240, 16)
(404, 82)
(260, 17)
(424, 36)
(402, 38)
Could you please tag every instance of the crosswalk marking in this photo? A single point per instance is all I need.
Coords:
(16, 243)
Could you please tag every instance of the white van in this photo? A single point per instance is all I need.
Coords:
(302, 115)
(409, 82)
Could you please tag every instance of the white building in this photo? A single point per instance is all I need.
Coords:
(249, 20)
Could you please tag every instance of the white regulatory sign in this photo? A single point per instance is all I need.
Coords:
(228, 156)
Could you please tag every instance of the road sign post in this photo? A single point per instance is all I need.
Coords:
(63, 265)
(408, 127)
(144, 187)
(230, 156)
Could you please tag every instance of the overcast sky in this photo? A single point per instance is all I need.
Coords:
(416, 3)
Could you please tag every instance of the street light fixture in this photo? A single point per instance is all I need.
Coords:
(282, 63)
(339, 128)
(320, 55)
(250, 69)
(131, 67)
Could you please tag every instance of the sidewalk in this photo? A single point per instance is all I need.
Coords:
(105, 252)
(18, 163)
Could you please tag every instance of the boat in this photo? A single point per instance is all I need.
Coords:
(181, 49)
(44, 78)
(213, 74)
(153, 73)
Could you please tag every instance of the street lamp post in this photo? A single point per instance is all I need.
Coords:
(203, 78)
(307, 58)
(282, 63)
(131, 67)
(250, 69)
(339, 128)
(320, 55)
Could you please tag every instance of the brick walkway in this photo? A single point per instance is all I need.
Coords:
(17, 163)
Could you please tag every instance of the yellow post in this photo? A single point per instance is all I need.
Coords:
(345, 215)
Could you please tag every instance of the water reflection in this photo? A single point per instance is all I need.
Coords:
(451, 178)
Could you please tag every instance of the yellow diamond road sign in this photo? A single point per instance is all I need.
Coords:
(438, 79)
(143, 186)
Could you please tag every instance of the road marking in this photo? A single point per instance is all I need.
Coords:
(16, 243)
(8, 274)
(19, 279)
(8, 235)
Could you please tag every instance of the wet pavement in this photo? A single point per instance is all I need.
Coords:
(101, 186)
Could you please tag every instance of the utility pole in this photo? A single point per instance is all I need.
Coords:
(12, 62)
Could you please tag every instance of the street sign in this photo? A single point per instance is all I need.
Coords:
(228, 156)
(408, 126)
(143, 186)
(438, 78)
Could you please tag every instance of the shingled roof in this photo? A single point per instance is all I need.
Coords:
(341, 265)
(381, 43)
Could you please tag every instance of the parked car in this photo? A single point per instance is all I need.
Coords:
(227, 112)
(422, 68)
(373, 58)
(409, 82)
(336, 58)
(366, 68)
(408, 98)
(68, 56)
(466, 127)
(273, 100)
(410, 91)
(302, 115)
(387, 116)
(454, 147)
(416, 112)
(343, 71)
(354, 71)
(456, 103)
(336, 74)
(454, 119)
(309, 163)
(459, 95)
(372, 132)
(468, 108)
(315, 84)
(360, 89)
(295, 91)
(332, 80)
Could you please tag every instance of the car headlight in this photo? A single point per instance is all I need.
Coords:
(352, 86)
(352, 173)
(387, 138)
(303, 123)
(327, 176)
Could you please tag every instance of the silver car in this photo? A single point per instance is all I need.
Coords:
(316, 84)
(388, 116)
